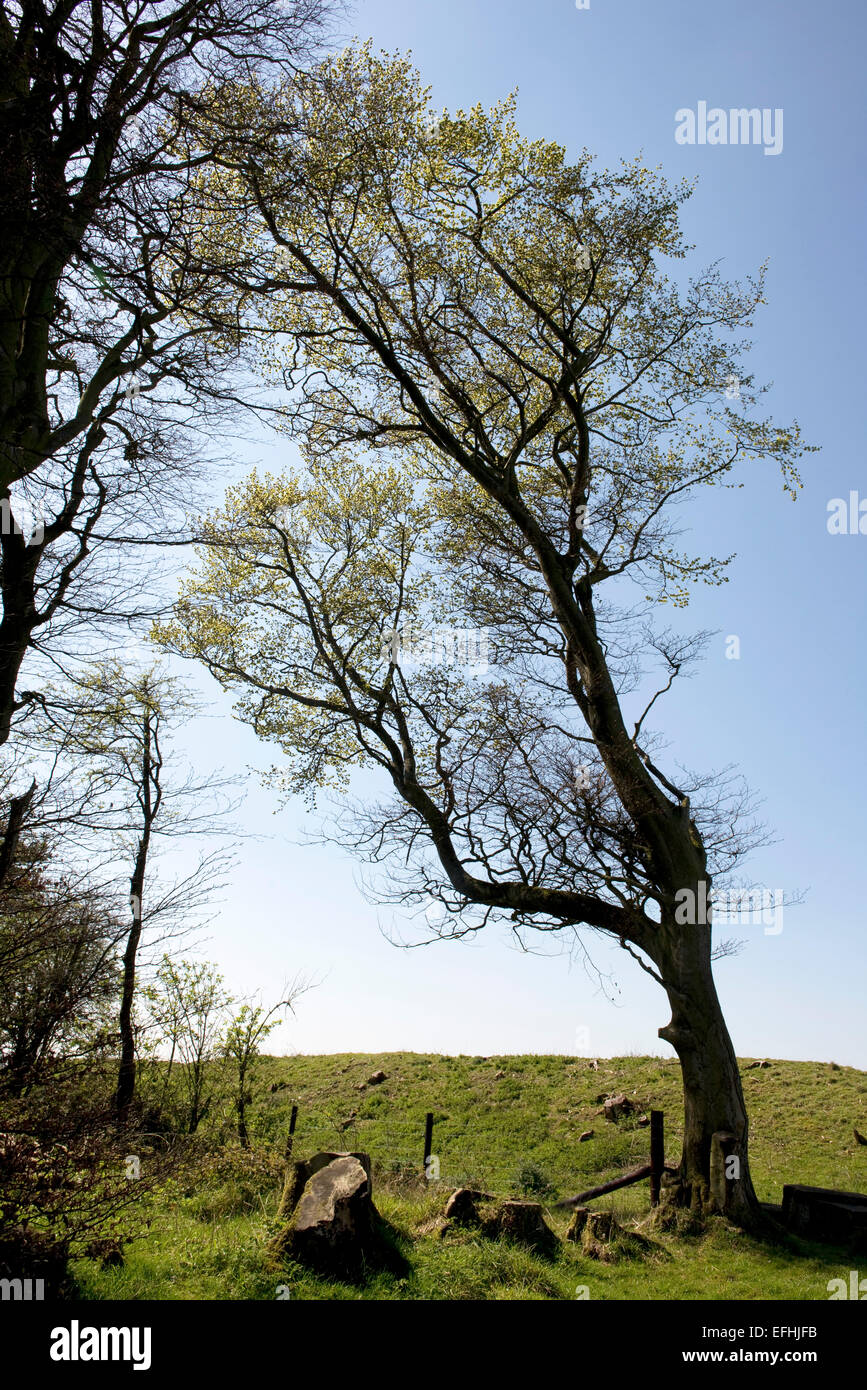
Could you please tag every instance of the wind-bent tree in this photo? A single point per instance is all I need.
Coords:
(104, 375)
(499, 327)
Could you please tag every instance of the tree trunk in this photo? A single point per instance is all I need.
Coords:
(18, 808)
(708, 1181)
(19, 615)
(149, 796)
(126, 1070)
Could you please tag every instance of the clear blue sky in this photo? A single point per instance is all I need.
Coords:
(789, 712)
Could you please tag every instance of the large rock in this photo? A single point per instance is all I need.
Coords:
(300, 1173)
(332, 1228)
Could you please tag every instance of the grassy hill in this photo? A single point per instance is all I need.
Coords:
(510, 1125)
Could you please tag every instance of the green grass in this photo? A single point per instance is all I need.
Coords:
(206, 1239)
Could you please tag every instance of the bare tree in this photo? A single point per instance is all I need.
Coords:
(114, 724)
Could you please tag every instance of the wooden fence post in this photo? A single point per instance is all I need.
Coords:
(292, 1118)
(721, 1145)
(657, 1154)
(428, 1139)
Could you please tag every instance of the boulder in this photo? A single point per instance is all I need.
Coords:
(515, 1219)
(332, 1228)
(588, 1134)
(300, 1173)
(377, 1078)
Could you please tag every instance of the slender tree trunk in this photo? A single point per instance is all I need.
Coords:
(149, 799)
(126, 1071)
(243, 1136)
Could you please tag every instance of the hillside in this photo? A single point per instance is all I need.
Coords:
(512, 1125)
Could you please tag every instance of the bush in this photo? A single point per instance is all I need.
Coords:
(530, 1181)
(236, 1182)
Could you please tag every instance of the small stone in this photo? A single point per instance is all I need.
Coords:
(377, 1078)
(588, 1134)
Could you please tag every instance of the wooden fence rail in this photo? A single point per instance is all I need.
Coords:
(652, 1170)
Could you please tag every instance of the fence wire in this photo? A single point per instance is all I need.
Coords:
(396, 1150)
